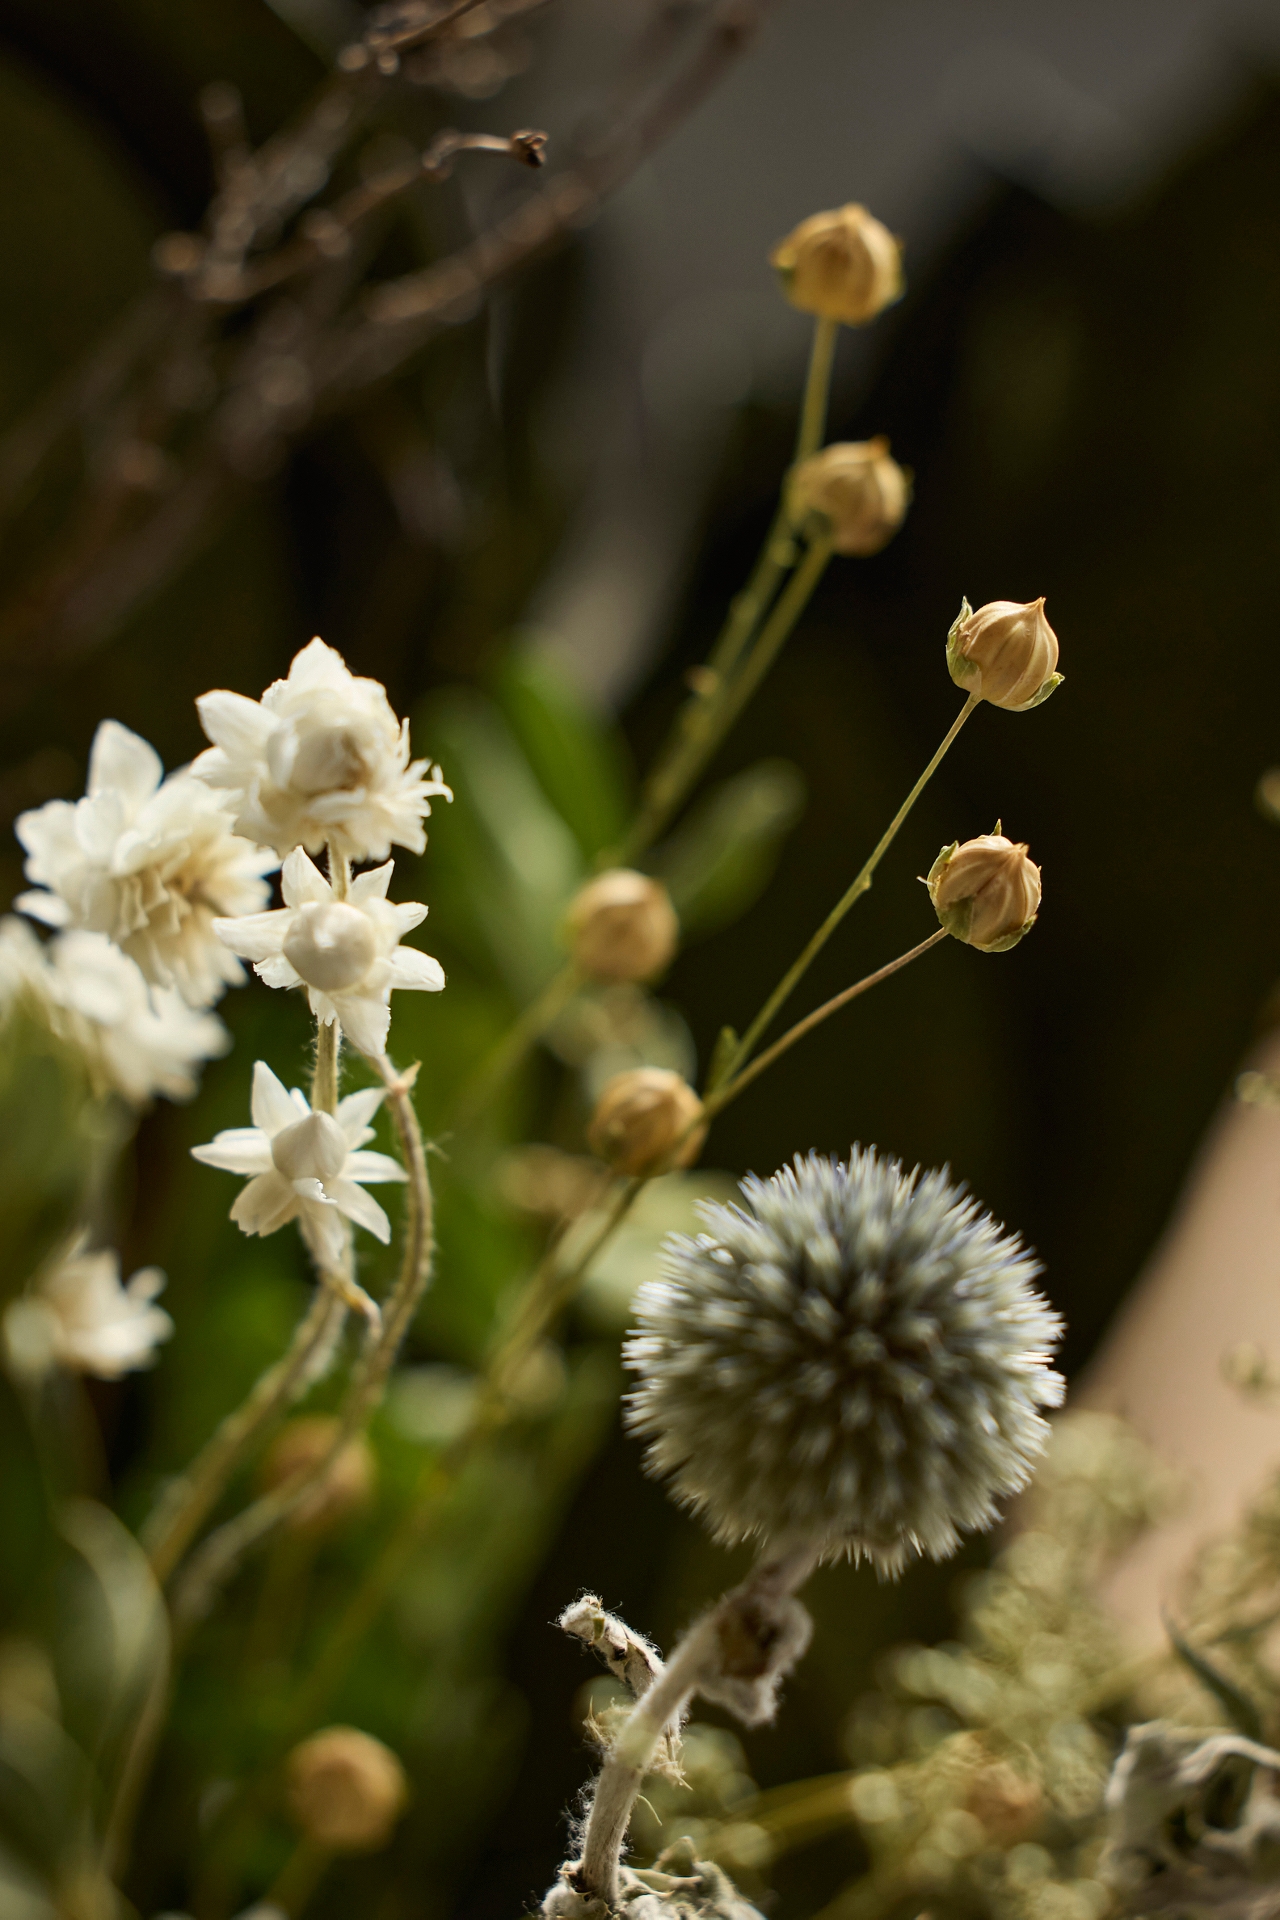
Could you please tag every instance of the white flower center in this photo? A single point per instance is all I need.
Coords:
(329, 759)
(331, 945)
(311, 1149)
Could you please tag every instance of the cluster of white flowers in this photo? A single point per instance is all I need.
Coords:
(76, 1314)
(134, 1040)
(156, 889)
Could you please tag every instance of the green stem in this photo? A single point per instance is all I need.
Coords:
(515, 1044)
(696, 745)
(188, 1500)
(298, 1879)
(796, 972)
(817, 389)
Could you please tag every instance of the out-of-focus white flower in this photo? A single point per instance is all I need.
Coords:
(135, 1040)
(345, 952)
(76, 1314)
(320, 759)
(147, 861)
(305, 1166)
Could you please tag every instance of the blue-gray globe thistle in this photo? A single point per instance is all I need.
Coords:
(855, 1355)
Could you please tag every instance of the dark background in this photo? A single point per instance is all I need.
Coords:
(1086, 383)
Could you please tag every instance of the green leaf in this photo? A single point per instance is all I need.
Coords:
(504, 864)
(722, 858)
(578, 760)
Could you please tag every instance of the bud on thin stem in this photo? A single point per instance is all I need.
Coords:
(986, 892)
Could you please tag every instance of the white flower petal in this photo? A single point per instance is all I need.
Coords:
(267, 1203)
(319, 665)
(302, 881)
(254, 936)
(365, 1022)
(270, 1105)
(409, 968)
(356, 1110)
(365, 1165)
(48, 908)
(372, 885)
(121, 762)
(360, 1207)
(237, 725)
(245, 1150)
(408, 915)
(278, 972)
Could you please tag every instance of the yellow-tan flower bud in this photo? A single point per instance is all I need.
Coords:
(986, 892)
(640, 1122)
(344, 1488)
(1006, 653)
(345, 1790)
(858, 489)
(842, 265)
(622, 926)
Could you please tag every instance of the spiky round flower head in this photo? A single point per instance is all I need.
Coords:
(855, 1356)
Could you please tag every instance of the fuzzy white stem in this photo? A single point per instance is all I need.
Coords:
(698, 1662)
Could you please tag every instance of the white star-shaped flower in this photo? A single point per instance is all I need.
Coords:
(76, 1314)
(305, 1166)
(345, 952)
(147, 861)
(320, 759)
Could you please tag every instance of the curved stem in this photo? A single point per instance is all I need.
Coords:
(188, 1500)
(698, 1659)
(213, 1565)
(796, 972)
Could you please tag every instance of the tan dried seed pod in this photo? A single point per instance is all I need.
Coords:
(345, 1790)
(1006, 653)
(622, 926)
(343, 1489)
(640, 1117)
(986, 892)
(858, 489)
(841, 265)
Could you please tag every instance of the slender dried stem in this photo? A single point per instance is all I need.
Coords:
(674, 778)
(188, 1500)
(796, 972)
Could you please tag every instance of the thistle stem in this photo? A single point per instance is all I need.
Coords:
(796, 972)
(698, 1659)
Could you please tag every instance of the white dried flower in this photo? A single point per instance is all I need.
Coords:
(147, 861)
(345, 952)
(855, 1356)
(76, 1314)
(135, 1040)
(305, 1166)
(321, 759)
